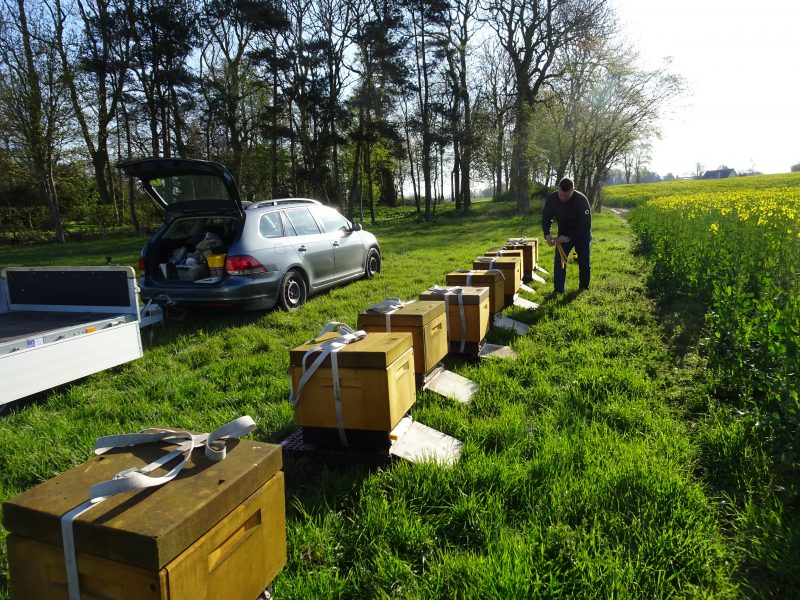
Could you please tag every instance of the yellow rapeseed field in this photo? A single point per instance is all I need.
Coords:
(734, 247)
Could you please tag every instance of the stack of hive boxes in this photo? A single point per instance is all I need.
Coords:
(467, 315)
(492, 279)
(215, 531)
(425, 321)
(510, 266)
(530, 254)
(374, 382)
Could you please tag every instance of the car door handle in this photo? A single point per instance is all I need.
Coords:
(301, 248)
(335, 244)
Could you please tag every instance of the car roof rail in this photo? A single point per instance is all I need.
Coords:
(279, 201)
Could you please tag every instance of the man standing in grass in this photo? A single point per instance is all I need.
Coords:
(574, 215)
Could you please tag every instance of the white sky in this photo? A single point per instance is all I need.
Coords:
(741, 62)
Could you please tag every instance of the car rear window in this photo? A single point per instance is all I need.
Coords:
(304, 223)
(270, 225)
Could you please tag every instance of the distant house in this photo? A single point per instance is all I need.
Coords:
(719, 174)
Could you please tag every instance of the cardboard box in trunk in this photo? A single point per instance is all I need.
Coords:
(476, 313)
(491, 279)
(511, 266)
(376, 379)
(425, 321)
(217, 530)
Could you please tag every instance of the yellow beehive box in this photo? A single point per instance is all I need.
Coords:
(526, 241)
(376, 382)
(527, 257)
(511, 266)
(425, 321)
(491, 279)
(473, 328)
(515, 252)
(217, 530)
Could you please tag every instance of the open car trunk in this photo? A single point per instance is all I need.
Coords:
(192, 249)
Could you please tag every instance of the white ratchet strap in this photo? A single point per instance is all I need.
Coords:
(330, 347)
(447, 292)
(387, 307)
(487, 259)
(471, 273)
(138, 478)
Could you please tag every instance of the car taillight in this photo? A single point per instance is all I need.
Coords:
(243, 265)
(142, 266)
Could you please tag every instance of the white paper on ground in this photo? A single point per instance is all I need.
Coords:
(452, 385)
(511, 325)
(495, 351)
(420, 443)
(522, 303)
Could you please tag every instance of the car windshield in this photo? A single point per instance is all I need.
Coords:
(189, 188)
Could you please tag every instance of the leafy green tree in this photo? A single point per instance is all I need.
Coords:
(532, 33)
(166, 34)
(32, 101)
(93, 40)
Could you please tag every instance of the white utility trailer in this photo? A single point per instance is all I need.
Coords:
(58, 324)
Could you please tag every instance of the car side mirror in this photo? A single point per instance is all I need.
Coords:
(357, 227)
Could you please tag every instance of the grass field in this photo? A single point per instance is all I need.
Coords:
(585, 470)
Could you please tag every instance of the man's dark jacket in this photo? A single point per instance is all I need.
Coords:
(574, 216)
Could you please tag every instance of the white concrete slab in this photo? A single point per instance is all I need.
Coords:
(495, 351)
(537, 278)
(511, 325)
(452, 385)
(541, 269)
(527, 288)
(522, 303)
(420, 443)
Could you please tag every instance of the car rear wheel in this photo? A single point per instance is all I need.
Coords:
(373, 263)
(293, 292)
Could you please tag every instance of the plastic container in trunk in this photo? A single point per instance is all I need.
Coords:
(183, 251)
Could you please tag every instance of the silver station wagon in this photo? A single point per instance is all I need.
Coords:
(216, 251)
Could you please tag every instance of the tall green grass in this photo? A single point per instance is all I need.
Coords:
(734, 252)
(581, 474)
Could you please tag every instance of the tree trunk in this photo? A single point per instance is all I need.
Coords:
(520, 167)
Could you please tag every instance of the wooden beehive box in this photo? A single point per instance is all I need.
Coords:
(511, 266)
(376, 379)
(217, 530)
(476, 313)
(425, 321)
(527, 257)
(491, 279)
(526, 241)
(516, 252)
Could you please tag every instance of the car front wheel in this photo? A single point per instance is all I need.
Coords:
(293, 291)
(373, 263)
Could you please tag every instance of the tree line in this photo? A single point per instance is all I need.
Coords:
(347, 101)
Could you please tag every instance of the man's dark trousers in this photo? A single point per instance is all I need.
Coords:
(582, 246)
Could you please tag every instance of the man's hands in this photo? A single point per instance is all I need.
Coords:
(562, 239)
